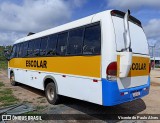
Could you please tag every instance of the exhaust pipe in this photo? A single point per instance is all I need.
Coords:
(127, 37)
(126, 55)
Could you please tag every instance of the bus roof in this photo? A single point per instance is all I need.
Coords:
(67, 26)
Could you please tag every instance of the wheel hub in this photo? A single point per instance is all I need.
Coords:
(50, 93)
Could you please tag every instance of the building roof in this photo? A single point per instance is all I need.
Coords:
(156, 58)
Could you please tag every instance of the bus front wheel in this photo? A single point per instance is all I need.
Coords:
(12, 79)
(51, 93)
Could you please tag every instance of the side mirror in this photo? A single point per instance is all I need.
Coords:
(7, 54)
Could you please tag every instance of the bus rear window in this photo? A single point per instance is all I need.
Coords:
(121, 15)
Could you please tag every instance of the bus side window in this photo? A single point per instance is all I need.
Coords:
(20, 50)
(17, 50)
(36, 48)
(13, 53)
(62, 43)
(75, 41)
(92, 40)
(25, 46)
(30, 48)
(51, 47)
(43, 46)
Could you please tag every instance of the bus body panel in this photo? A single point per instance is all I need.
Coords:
(108, 50)
(82, 88)
(74, 65)
(114, 95)
(138, 74)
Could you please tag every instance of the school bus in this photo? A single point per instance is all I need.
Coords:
(102, 58)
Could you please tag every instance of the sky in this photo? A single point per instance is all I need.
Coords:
(18, 17)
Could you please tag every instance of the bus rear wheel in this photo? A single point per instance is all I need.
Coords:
(12, 79)
(51, 93)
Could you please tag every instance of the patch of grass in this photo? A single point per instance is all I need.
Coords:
(1, 84)
(8, 104)
(3, 64)
(5, 92)
(6, 96)
(31, 113)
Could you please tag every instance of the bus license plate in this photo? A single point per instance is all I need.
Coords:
(135, 94)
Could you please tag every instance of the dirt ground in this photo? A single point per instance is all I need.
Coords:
(148, 105)
(25, 93)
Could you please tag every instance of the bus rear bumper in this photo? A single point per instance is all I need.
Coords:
(111, 95)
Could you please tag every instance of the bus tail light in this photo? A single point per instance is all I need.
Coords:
(123, 93)
(111, 71)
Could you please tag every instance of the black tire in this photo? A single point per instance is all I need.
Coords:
(12, 79)
(51, 93)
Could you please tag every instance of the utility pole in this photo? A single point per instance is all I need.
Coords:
(154, 56)
(153, 50)
(153, 53)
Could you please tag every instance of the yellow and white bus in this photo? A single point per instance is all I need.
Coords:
(102, 58)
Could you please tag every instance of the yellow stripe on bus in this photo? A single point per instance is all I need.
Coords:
(140, 66)
(75, 65)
